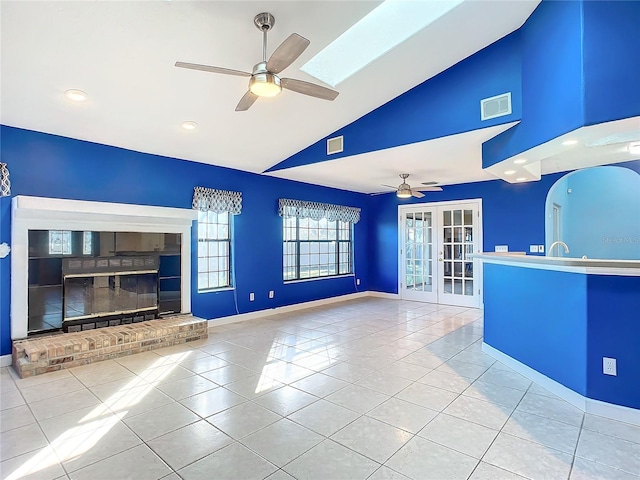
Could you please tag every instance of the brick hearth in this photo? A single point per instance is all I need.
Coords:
(38, 355)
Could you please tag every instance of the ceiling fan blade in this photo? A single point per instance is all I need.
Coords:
(427, 189)
(429, 183)
(287, 53)
(209, 68)
(415, 193)
(389, 186)
(246, 101)
(307, 88)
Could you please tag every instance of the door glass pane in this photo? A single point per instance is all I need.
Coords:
(457, 269)
(457, 287)
(457, 217)
(447, 217)
(448, 285)
(457, 234)
(468, 217)
(468, 270)
(468, 287)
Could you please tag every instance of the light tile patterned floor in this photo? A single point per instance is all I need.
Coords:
(368, 389)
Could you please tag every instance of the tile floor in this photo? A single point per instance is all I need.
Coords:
(368, 389)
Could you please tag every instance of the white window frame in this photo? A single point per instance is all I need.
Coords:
(209, 233)
(291, 248)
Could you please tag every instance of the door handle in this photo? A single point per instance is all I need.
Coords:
(439, 259)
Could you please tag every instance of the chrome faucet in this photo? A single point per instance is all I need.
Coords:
(559, 242)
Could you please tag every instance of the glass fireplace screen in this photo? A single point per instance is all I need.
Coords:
(99, 294)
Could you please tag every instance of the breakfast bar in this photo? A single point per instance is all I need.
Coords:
(571, 324)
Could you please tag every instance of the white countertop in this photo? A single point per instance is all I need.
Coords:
(592, 266)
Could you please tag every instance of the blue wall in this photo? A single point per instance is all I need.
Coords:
(611, 60)
(582, 319)
(552, 80)
(5, 276)
(513, 215)
(539, 317)
(601, 215)
(51, 166)
(614, 331)
(446, 104)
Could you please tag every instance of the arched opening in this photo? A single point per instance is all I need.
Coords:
(596, 212)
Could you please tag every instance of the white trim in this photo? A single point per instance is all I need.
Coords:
(390, 296)
(6, 360)
(38, 213)
(588, 405)
(267, 312)
(479, 242)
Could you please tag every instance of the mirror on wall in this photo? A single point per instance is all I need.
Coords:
(596, 212)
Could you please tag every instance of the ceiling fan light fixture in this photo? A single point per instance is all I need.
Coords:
(403, 193)
(265, 84)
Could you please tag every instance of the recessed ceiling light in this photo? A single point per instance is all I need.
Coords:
(519, 161)
(509, 172)
(634, 148)
(189, 125)
(521, 179)
(566, 143)
(76, 95)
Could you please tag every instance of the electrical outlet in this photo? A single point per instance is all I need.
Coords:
(358, 281)
(502, 248)
(271, 293)
(540, 248)
(252, 297)
(609, 366)
(533, 248)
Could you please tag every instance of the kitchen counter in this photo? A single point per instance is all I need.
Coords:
(554, 319)
(567, 264)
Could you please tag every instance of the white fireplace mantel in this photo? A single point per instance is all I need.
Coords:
(38, 213)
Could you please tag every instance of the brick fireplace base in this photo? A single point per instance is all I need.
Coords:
(34, 356)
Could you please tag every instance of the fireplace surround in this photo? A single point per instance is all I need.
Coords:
(38, 213)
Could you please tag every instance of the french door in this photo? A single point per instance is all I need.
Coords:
(435, 241)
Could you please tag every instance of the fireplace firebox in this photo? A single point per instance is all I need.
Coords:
(108, 291)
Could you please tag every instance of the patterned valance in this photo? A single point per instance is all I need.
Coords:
(298, 208)
(5, 183)
(219, 201)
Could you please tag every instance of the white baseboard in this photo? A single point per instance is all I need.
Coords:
(391, 296)
(5, 360)
(243, 317)
(588, 405)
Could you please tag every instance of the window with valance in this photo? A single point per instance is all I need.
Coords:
(215, 209)
(317, 239)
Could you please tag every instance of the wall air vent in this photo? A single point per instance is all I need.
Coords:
(497, 106)
(335, 145)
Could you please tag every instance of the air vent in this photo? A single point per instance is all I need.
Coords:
(497, 106)
(335, 145)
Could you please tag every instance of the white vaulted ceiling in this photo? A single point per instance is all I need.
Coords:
(122, 55)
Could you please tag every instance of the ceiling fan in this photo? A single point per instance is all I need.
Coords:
(264, 80)
(404, 190)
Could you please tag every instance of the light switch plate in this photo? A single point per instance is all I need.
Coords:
(533, 248)
(502, 248)
(540, 248)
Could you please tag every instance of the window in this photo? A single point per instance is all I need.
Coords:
(214, 250)
(60, 242)
(316, 248)
(87, 243)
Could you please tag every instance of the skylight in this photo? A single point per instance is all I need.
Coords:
(385, 27)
